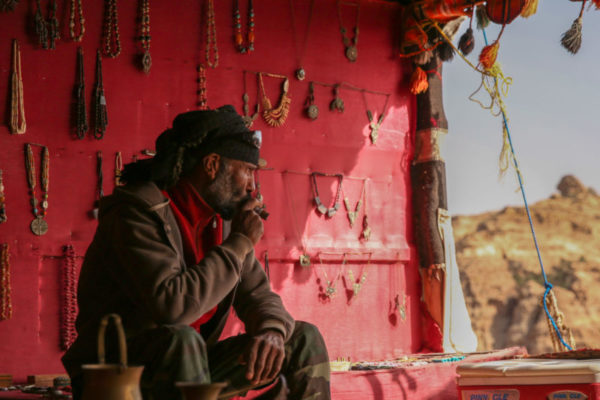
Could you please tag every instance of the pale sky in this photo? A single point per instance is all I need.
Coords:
(553, 109)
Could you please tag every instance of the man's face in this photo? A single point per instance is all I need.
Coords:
(232, 186)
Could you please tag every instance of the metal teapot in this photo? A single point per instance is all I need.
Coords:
(111, 381)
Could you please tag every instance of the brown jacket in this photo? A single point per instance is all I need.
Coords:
(135, 267)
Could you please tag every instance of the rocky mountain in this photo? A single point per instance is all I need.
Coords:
(501, 276)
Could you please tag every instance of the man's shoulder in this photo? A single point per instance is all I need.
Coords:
(146, 195)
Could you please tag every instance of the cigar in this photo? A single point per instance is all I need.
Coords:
(262, 212)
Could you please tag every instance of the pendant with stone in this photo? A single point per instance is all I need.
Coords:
(300, 74)
(351, 53)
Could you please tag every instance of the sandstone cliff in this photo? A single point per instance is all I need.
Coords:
(502, 280)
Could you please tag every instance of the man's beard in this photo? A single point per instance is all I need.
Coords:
(223, 197)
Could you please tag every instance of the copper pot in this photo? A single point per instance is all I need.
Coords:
(111, 381)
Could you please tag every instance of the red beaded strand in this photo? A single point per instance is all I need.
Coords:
(5, 289)
(238, 37)
(68, 309)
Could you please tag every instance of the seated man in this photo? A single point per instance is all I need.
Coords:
(159, 261)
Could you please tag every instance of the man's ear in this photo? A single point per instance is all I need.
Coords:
(211, 164)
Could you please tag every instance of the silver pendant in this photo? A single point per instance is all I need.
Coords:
(300, 74)
(146, 62)
(351, 53)
(312, 111)
(39, 226)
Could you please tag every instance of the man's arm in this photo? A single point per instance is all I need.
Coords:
(151, 271)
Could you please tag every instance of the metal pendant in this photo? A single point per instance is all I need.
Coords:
(322, 209)
(351, 53)
(39, 226)
(305, 260)
(312, 111)
(300, 74)
(337, 104)
(331, 211)
(146, 62)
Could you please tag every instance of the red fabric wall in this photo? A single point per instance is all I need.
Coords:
(140, 107)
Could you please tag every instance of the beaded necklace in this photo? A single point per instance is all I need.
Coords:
(353, 214)
(118, 168)
(38, 226)
(275, 116)
(5, 290)
(99, 185)
(8, 5)
(111, 46)
(47, 30)
(349, 44)
(300, 50)
(211, 36)
(202, 97)
(18, 125)
(145, 38)
(81, 118)
(329, 212)
(68, 298)
(76, 9)
(2, 201)
(374, 126)
(330, 289)
(100, 113)
(238, 37)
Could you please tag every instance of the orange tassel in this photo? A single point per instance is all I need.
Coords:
(488, 55)
(418, 81)
(531, 8)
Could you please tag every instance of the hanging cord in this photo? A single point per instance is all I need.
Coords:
(548, 286)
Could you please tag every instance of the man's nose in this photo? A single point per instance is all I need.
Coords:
(250, 185)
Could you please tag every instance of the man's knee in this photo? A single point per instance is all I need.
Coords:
(307, 344)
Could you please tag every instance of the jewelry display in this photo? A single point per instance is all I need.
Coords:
(349, 44)
(366, 231)
(329, 212)
(47, 30)
(304, 258)
(111, 42)
(300, 72)
(81, 114)
(68, 298)
(353, 214)
(99, 184)
(76, 9)
(144, 37)
(249, 119)
(18, 125)
(330, 288)
(39, 226)
(238, 37)
(100, 113)
(275, 116)
(118, 168)
(312, 111)
(8, 5)
(374, 126)
(3, 217)
(337, 103)
(202, 97)
(211, 36)
(5, 289)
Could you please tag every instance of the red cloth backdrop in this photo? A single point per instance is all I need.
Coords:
(140, 106)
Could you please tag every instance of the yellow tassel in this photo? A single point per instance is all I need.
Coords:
(529, 9)
(488, 55)
(418, 81)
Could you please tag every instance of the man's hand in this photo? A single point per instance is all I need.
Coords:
(264, 356)
(248, 222)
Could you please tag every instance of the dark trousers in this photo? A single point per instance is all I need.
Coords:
(175, 353)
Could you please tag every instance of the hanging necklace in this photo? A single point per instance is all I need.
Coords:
(5, 290)
(275, 117)
(211, 36)
(99, 185)
(330, 288)
(358, 282)
(337, 104)
(202, 98)
(353, 214)
(304, 258)
(47, 30)
(366, 231)
(350, 44)
(249, 119)
(68, 309)
(8, 5)
(2, 201)
(118, 168)
(111, 46)
(38, 226)
(145, 38)
(330, 212)
(374, 126)
(239, 38)
(300, 72)
(76, 9)
(312, 111)
(100, 113)
(18, 125)
(81, 118)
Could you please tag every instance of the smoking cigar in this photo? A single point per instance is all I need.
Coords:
(262, 212)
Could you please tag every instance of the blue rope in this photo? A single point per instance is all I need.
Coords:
(547, 284)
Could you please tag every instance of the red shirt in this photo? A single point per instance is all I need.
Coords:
(201, 228)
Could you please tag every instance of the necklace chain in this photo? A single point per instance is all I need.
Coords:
(68, 292)
(238, 37)
(211, 36)
(275, 116)
(145, 38)
(112, 42)
(300, 73)
(330, 212)
(5, 289)
(76, 9)
(18, 125)
(44, 179)
(100, 112)
(8, 5)
(202, 96)
(349, 44)
(82, 121)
